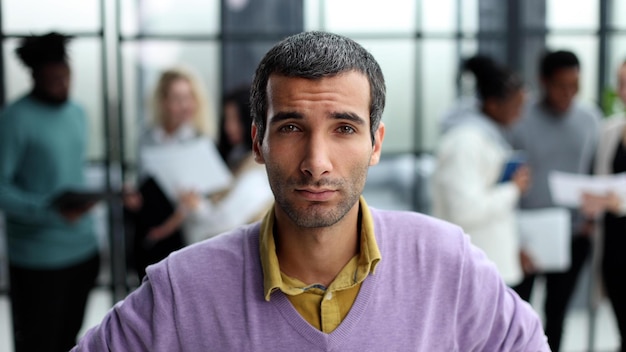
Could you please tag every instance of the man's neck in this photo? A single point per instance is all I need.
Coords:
(317, 255)
(552, 110)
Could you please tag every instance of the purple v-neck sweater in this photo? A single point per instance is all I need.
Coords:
(432, 291)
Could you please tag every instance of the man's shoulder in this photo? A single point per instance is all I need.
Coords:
(408, 216)
(26, 105)
(214, 270)
(76, 106)
(211, 262)
(410, 237)
(535, 113)
(587, 111)
(414, 226)
(231, 247)
(20, 104)
(15, 115)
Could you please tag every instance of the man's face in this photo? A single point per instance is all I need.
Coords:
(561, 88)
(53, 81)
(317, 146)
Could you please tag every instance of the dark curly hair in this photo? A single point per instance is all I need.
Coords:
(35, 51)
(492, 80)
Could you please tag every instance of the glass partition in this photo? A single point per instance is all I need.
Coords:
(368, 16)
(439, 69)
(439, 16)
(397, 60)
(35, 16)
(572, 14)
(617, 57)
(617, 14)
(170, 17)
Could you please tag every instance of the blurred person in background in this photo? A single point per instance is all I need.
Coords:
(469, 189)
(557, 133)
(250, 196)
(609, 210)
(467, 103)
(53, 253)
(180, 115)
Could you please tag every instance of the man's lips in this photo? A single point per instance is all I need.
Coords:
(316, 194)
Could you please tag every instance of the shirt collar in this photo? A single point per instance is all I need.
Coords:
(369, 254)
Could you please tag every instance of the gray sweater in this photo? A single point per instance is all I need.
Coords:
(565, 142)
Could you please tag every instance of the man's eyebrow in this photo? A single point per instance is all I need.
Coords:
(286, 115)
(293, 115)
(349, 116)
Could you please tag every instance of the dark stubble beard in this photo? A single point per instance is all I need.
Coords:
(316, 215)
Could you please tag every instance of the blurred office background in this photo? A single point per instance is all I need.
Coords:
(120, 47)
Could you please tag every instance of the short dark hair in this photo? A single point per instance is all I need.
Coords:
(35, 51)
(552, 61)
(314, 55)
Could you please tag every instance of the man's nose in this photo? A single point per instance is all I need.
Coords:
(316, 159)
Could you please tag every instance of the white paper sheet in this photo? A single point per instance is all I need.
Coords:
(567, 188)
(546, 236)
(192, 166)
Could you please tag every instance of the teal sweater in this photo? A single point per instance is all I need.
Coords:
(42, 152)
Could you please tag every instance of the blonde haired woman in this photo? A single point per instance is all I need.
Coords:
(179, 101)
(180, 115)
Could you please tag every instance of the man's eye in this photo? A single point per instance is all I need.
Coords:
(346, 129)
(289, 128)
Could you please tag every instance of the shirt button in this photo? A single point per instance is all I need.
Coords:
(329, 296)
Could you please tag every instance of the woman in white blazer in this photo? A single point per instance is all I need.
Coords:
(471, 156)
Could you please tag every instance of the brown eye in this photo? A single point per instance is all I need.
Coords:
(346, 129)
(289, 128)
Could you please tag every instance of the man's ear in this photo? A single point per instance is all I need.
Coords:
(256, 145)
(379, 135)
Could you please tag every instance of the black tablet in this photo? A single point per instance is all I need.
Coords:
(74, 199)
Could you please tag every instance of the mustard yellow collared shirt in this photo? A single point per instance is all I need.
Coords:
(323, 307)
